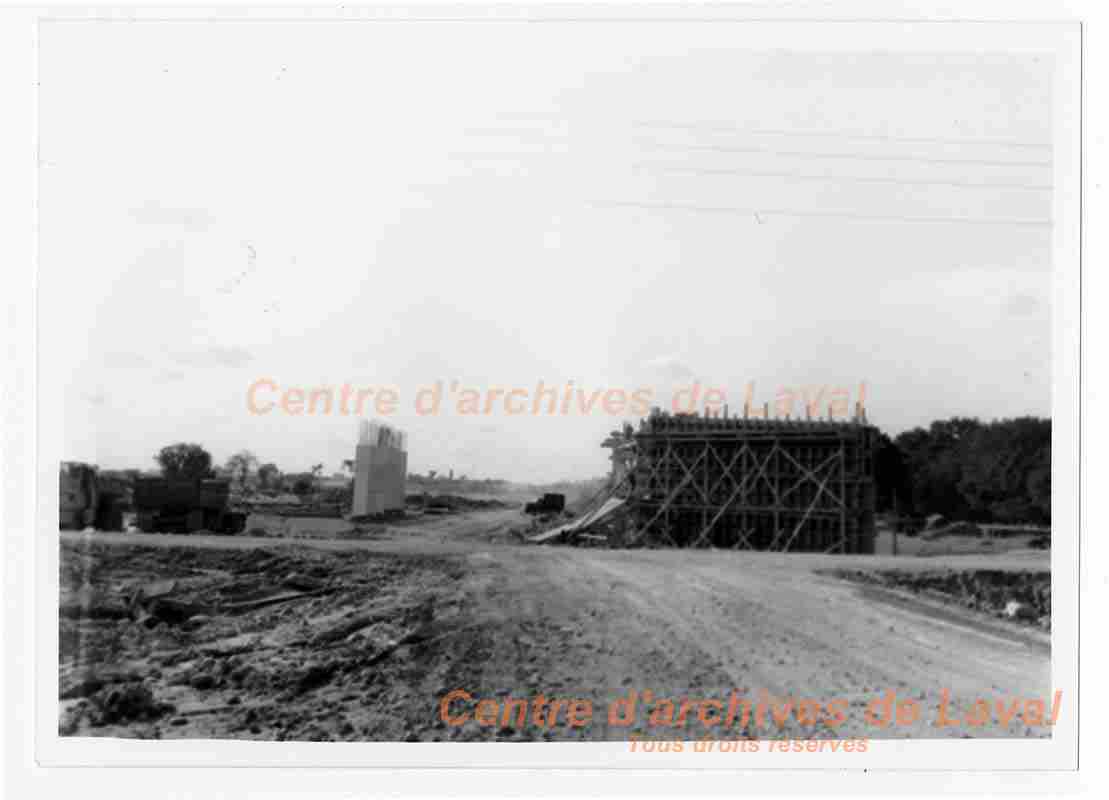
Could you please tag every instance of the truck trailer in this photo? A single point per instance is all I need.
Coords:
(166, 505)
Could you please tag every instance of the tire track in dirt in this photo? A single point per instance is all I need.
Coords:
(596, 624)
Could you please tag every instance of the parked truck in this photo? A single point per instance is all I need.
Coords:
(547, 504)
(165, 505)
(88, 500)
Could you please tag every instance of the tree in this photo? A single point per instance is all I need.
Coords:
(241, 465)
(989, 472)
(935, 459)
(891, 475)
(303, 484)
(184, 461)
(1038, 486)
(269, 476)
(1007, 471)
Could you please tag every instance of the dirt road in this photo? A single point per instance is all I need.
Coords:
(704, 626)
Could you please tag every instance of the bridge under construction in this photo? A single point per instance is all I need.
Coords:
(748, 483)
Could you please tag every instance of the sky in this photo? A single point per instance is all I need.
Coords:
(623, 208)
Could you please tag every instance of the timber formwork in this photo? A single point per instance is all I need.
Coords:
(758, 484)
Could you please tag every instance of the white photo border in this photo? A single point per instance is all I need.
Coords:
(36, 556)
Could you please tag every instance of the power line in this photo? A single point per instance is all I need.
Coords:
(853, 156)
(836, 178)
(719, 127)
(723, 127)
(758, 213)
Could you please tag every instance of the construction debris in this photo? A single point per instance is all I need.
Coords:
(257, 643)
(580, 526)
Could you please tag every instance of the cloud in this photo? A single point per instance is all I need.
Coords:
(670, 368)
(1022, 304)
(191, 219)
(127, 361)
(170, 376)
(214, 357)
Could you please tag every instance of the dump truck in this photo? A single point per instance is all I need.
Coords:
(171, 505)
(547, 504)
(88, 500)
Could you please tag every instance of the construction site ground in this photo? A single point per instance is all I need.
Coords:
(324, 632)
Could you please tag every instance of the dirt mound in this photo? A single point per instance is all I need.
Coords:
(1024, 595)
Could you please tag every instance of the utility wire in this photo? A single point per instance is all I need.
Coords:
(759, 213)
(723, 127)
(663, 167)
(853, 156)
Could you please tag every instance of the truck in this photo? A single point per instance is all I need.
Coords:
(547, 504)
(88, 500)
(178, 505)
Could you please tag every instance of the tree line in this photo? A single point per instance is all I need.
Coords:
(963, 468)
(188, 461)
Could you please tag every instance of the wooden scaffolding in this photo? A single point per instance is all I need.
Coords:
(758, 484)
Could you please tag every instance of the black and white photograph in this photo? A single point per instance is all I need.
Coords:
(697, 387)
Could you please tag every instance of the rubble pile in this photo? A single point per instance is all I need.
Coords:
(271, 643)
(602, 523)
